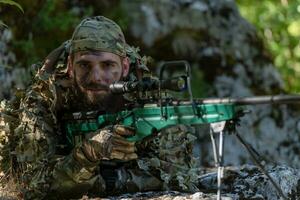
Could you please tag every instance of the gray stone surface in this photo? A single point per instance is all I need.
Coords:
(239, 183)
(11, 76)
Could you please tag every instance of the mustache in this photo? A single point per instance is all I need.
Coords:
(95, 86)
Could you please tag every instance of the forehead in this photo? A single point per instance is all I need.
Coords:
(96, 56)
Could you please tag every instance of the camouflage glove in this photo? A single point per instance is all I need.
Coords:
(110, 144)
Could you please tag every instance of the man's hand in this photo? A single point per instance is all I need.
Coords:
(110, 143)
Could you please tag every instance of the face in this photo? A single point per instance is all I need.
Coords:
(93, 72)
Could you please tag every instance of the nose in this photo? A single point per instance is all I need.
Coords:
(99, 76)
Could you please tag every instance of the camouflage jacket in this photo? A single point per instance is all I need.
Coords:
(46, 167)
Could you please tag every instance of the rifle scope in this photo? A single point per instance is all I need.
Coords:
(177, 84)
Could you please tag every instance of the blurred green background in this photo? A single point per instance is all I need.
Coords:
(278, 23)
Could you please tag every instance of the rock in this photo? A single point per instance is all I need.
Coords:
(11, 77)
(246, 182)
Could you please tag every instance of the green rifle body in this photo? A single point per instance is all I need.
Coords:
(150, 119)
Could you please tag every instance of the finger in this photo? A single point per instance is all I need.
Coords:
(117, 155)
(131, 156)
(123, 146)
(103, 135)
(122, 156)
(124, 130)
(124, 149)
(119, 140)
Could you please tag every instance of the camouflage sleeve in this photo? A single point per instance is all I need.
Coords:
(169, 156)
(43, 172)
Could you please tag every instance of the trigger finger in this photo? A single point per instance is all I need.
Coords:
(125, 149)
(123, 130)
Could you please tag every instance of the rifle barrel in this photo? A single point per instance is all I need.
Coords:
(275, 99)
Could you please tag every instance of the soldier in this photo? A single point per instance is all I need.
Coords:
(75, 78)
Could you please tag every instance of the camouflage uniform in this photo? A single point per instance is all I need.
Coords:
(47, 168)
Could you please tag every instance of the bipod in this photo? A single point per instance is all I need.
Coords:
(253, 154)
(218, 127)
(218, 151)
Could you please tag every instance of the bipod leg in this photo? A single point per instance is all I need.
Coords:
(214, 146)
(220, 163)
(259, 165)
(218, 157)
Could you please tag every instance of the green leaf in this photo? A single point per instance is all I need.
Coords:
(11, 2)
(294, 28)
(2, 24)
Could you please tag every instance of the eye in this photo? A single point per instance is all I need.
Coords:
(83, 65)
(109, 64)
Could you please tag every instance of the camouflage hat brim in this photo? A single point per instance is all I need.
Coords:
(92, 45)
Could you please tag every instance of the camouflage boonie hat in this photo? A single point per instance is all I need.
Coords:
(100, 34)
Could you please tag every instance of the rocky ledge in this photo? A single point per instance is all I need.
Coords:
(246, 182)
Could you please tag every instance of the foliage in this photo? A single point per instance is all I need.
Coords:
(13, 3)
(43, 27)
(278, 24)
(47, 23)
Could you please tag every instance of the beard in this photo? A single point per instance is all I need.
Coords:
(91, 96)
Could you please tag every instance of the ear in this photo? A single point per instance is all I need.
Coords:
(70, 67)
(126, 65)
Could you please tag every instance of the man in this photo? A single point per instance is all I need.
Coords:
(102, 162)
